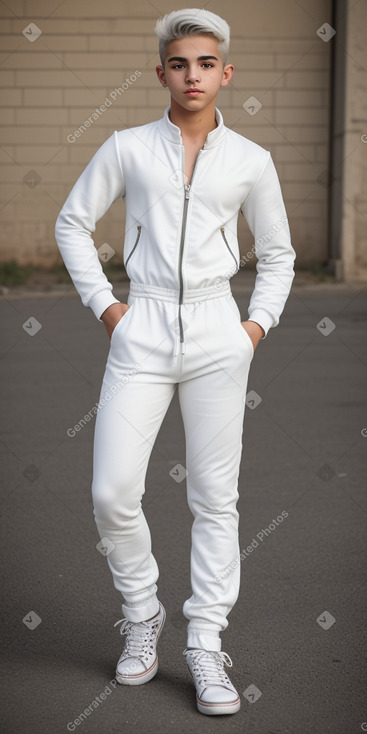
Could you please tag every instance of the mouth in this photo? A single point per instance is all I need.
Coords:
(193, 92)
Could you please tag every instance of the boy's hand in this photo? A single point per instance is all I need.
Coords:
(112, 315)
(254, 330)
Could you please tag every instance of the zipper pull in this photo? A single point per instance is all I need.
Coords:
(187, 191)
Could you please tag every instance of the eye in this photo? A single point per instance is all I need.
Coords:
(177, 66)
(208, 65)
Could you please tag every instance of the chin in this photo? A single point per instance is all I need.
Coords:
(197, 101)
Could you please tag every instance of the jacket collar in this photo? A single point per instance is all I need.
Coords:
(173, 133)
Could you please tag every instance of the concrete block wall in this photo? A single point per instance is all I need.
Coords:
(51, 85)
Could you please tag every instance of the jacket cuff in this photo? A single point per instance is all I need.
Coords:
(264, 318)
(101, 301)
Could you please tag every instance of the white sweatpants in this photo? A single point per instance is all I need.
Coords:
(146, 363)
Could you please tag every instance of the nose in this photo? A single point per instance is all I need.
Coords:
(192, 74)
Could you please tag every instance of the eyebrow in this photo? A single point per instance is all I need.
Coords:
(200, 58)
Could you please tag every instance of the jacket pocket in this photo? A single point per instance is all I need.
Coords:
(135, 243)
(223, 233)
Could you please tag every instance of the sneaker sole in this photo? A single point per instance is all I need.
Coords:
(215, 709)
(138, 680)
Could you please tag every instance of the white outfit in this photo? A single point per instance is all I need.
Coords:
(183, 329)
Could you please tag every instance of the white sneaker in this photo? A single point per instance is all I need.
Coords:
(215, 693)
(139, 660)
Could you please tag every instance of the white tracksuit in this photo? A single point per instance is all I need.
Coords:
(183, 328)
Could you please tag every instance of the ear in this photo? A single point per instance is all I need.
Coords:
(161, 75)
(228, 72)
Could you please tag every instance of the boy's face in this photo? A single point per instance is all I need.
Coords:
(194, 62)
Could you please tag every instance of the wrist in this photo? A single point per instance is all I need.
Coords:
(110, 312)
(101, 301)
(259, 329)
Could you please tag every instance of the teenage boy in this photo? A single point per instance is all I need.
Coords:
(184, 179)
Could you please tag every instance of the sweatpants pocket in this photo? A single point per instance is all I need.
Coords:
(121, 324)
(231, 306)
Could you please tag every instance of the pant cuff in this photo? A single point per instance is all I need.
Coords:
(206, 639)
(141, 612)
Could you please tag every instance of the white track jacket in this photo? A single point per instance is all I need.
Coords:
(179, 236)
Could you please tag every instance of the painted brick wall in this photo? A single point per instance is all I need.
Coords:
(51, 84)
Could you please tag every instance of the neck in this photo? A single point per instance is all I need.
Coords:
(193, 125)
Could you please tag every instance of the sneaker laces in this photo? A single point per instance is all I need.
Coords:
(208, 667)
(140, 636)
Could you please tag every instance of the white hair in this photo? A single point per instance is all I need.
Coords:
(190, 22)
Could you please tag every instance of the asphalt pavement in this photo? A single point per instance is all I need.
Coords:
(297, 634)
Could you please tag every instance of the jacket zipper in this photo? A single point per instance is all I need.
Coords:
(226, 242)
(182, 242)
(135, 244)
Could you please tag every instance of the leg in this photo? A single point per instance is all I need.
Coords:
(126, 428)
(212, 408)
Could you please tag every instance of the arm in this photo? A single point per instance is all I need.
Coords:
(265, 213)
(100, 184)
